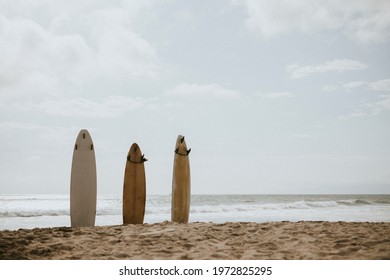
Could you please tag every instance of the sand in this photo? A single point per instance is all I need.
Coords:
(279, 240)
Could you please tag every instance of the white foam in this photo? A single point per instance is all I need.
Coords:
(45, 210)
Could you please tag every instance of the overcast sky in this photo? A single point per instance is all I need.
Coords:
(273, 96)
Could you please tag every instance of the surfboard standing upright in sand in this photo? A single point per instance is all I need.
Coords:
(134, 187)
(83, 182)
(181, 182)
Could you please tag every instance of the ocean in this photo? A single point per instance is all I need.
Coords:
(31, 211)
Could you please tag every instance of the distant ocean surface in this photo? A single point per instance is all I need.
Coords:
(31, 211)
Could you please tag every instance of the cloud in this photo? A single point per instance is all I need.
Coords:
(369, 109)
(353, 115)
(184, 15)
(34, 61)
(23, 126)
(41, 131)
(380, 106)
(338, 65)
(208, 90)
(381, 85)
(111, 106)
(31, 140)
(355, 84)
(276, 95)
(59, 51)
(329, 88)
(120, 51)
(302, 136)
(365, 21)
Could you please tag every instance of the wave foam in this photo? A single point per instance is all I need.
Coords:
(164, 208)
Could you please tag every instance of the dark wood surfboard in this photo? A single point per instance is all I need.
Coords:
(134, 187)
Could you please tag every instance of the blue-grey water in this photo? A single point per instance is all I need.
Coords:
(30, 211)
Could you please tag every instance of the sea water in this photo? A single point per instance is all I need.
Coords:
(30, 211)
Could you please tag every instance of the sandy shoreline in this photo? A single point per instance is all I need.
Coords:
(279, 240)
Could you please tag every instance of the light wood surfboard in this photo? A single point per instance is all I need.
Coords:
(83, 182)
(134, 187)
(181, 182)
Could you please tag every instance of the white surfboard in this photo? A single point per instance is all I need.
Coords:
(181, 182)
(83, 182)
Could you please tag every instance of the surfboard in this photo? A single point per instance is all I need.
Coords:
(134, 187)
(181, 182)
(83, 182)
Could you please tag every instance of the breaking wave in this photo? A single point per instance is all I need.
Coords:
(160, 205)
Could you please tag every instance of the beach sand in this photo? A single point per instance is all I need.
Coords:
(279, 240)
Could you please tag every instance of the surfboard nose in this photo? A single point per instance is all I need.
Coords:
(181, 146)
(135, 155)
(84, 134)
(134, 147)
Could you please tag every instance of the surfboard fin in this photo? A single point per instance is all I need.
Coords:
(91, 147)
(75, 146)
(182, 140)
(143, 159)
(186, 154)
(83, 135)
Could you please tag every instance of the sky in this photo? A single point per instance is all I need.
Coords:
(273, 97)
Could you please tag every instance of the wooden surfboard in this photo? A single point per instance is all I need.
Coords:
(181, 182)
(134, 187)
(83, 182)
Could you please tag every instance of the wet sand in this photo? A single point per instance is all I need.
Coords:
(202, 241)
